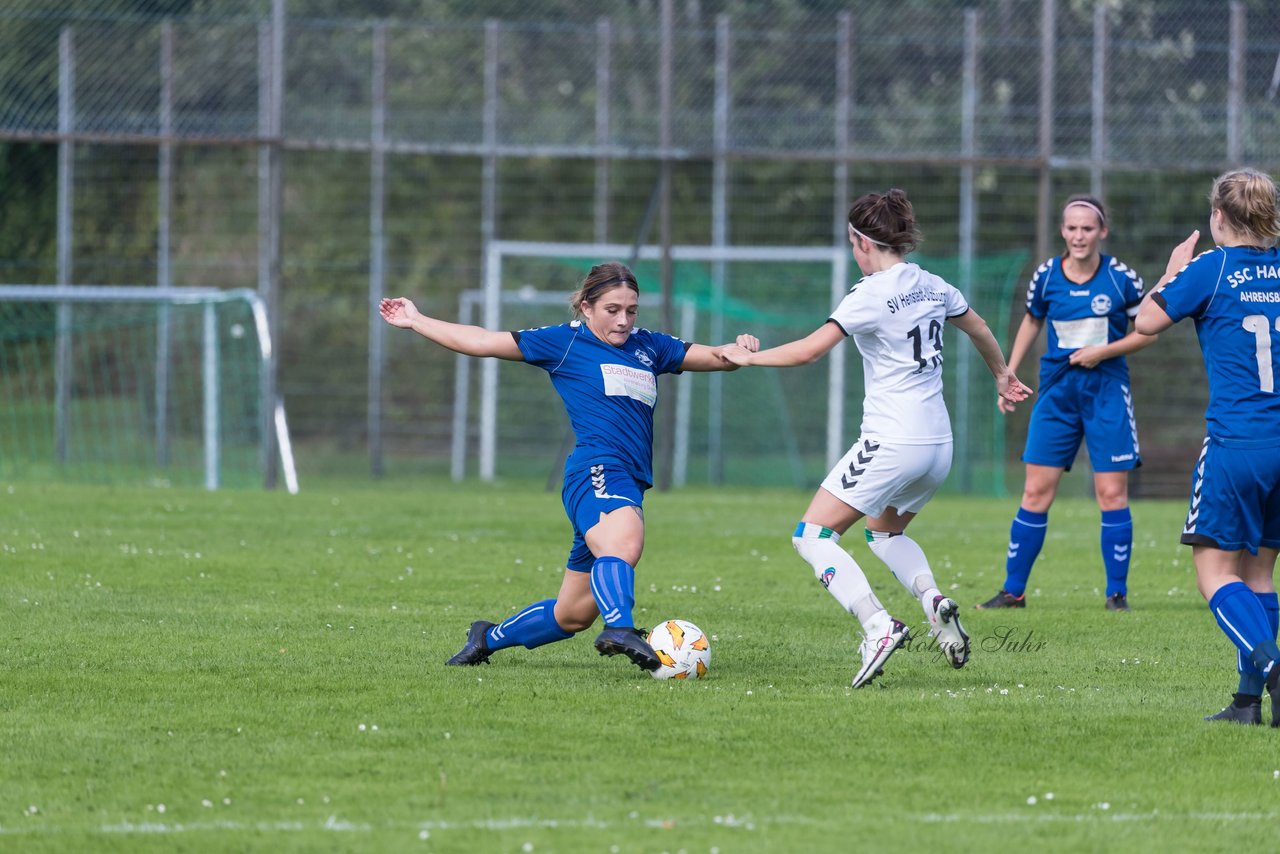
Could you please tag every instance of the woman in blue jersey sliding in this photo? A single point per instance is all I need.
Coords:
(605, 369)
(1086, 300)
(1232, 292)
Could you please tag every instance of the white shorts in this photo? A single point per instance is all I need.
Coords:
(874, 476)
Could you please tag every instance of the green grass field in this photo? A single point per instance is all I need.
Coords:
(249, 671)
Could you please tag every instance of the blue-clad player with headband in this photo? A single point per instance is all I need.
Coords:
(1086, 300)
(605, 369)
(1232, 292)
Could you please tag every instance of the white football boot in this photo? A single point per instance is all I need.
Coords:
(944, 624)
(877, 649)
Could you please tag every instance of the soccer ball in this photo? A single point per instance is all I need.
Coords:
(683, 648)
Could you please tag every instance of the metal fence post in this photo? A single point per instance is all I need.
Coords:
(488, 214)
(968, 227)
(1048, 74)
(1235, 84)
(377, 243)
(666, 50)
(270, 211)
(719, 237)
(66, 212)
(836, 364)
(164, 225)
(1098, 101)
(604, 84)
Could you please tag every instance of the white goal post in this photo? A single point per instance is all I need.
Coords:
(492, 300)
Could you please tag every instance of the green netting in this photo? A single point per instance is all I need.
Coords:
(120, 420)
(761, 426)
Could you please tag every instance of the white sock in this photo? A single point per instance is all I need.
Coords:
(840, 574)
(907, 562)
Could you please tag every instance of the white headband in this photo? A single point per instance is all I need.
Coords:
(853, 231)
(1102, 218)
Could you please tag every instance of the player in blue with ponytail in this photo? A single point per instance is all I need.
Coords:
(1086, 300)
(1232, 292)
(605, 369)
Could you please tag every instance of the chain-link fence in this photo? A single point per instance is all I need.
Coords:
(326, 154)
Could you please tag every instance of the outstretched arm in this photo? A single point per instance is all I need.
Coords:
(1028, 332)
(700, 357)
(468, 340)
(1009, 387)
(802, 351)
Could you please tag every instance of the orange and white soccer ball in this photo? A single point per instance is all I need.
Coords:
(685, 650)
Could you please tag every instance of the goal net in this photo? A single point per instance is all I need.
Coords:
(136, 385)
(761, 426)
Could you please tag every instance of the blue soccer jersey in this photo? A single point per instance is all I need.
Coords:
(1084, 314)
(1233, 294)
(609, 392)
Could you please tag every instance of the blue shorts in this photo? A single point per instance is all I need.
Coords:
(1088, 405)
(1235, 496)
(589, 492)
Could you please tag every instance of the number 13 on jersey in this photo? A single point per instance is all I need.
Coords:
(935, 337)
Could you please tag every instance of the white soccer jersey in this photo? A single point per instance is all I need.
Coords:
(896, 319)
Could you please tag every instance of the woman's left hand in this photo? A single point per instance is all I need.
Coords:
(1086, 357)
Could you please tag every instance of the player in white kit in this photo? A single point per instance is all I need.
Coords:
(895, 314)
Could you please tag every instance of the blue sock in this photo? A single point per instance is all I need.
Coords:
(1244, 621)
(613, 584)
(1026, 536)
(1251, 679)
(1117, 538)
(532, 627)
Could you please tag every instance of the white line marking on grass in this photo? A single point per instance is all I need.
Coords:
(1101, 816)
(746, 822)
(331, 823)
(334, 824)
(514, 824)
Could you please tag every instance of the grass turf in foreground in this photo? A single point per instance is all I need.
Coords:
(239, 670)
